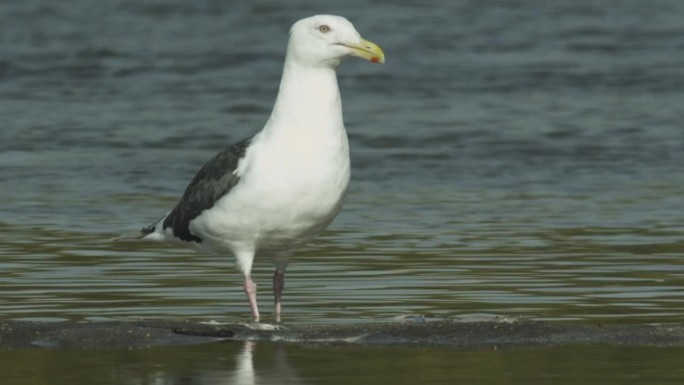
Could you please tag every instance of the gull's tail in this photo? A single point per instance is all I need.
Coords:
(140, 234)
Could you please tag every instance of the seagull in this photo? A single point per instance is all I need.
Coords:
(265, 197)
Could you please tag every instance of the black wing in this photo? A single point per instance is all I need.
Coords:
(212, 182)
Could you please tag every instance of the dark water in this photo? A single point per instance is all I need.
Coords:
(249, 363)
(511, 158)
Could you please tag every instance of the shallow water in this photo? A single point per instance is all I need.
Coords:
(256, 363)
(511, 158)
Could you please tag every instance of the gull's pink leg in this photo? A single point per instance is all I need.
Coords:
(278, 286)
(251, 289)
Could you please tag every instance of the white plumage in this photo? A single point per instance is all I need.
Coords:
(267, 196)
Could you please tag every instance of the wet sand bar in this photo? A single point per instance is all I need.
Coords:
(463, 335)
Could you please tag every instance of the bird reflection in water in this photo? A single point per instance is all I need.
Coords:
(211, 364)
(271, 370)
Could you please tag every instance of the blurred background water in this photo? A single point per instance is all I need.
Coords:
(511, 158)
(516, 158)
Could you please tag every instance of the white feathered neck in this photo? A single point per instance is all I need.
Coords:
(308, 100)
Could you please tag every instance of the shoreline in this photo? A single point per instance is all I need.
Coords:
(16, 335)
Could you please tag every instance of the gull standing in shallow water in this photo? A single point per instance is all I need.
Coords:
(267, 196)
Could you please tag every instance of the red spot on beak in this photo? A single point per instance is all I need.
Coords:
(375, 60)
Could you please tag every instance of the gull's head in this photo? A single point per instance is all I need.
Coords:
(324, 40)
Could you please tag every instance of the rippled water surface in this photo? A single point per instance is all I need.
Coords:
(511, 158)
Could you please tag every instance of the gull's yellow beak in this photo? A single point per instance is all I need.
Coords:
(367, 50)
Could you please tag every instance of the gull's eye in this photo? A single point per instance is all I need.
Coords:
(324, 28)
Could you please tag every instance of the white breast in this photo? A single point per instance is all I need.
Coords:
(290, 190)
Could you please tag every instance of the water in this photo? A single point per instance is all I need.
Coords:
(511, 158)
(238, 363)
